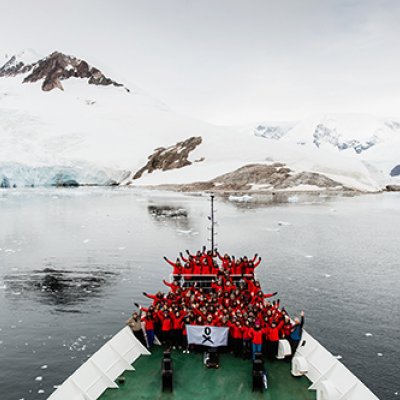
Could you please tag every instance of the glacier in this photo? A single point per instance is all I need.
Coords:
(14, 174)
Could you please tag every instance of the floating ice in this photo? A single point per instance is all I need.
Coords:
(182, 232)
(39, 378)
(308, 256)
(240, 199)
(327, 275)
(43, 367)
(293, 199)
(284, 223)
(368, 334)
(86, 241)
(338, 357)
(121, 248)
(40, 391)
(379, 354)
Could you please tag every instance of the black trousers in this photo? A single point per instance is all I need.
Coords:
(294, 344)
(272, 349)
(237, 347)
(139, 335)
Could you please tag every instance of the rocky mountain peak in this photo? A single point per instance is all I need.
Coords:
(54, 69)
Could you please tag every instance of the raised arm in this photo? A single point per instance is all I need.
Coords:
(268, 295)
(170, 262)
(183, 258)
(171, 285)
(150, 296)
(257, 263)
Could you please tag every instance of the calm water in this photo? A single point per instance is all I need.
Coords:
(338, 260)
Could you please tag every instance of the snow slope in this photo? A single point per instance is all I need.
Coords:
(98, 134)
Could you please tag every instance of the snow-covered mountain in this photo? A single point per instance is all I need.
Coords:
(62, 119)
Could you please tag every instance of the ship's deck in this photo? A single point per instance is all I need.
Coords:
(192, 380)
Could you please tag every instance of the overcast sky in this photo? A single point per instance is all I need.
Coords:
(228, 61)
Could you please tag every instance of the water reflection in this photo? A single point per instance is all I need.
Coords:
(56, 286)
(175, 216)
(258, 200)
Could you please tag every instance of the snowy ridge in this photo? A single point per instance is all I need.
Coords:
(94, 133)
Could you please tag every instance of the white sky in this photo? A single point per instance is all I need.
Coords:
(228, 61)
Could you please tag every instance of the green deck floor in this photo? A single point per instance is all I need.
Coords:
(192, 380)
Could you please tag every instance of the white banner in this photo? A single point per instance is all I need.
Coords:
(210, 336)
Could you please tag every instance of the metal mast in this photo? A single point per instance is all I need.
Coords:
(212, 222)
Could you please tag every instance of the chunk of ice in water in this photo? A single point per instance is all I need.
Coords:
(338, 357)
(368, 334)
(43, 367)
(39, 378)
(379, 354)
(40, 391)
(86, 241)
(284, 223)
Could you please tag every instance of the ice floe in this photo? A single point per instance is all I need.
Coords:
(284, 223)
(240, 199)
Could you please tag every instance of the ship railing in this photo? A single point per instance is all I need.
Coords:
(203, 280)
(102, 369)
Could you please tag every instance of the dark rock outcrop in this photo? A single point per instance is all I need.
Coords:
(54, 69)
(393, 188)
(5, 183)
(266, 177)
(173, 157)
(395, 171)
(69, 183)
(14, 67)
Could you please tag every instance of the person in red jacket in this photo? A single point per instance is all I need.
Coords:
(273, 336)
(176, 331)
(148, 320)
(251, 266)
(256, 335)
(166, 327)
(246, 340)
(174, 286)
(176, 265)
(235, 330)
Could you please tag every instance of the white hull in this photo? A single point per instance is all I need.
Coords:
(330, 378)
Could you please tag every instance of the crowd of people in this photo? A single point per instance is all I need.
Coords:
(233, 299)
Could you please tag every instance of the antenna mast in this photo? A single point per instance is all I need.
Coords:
(212, 222)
